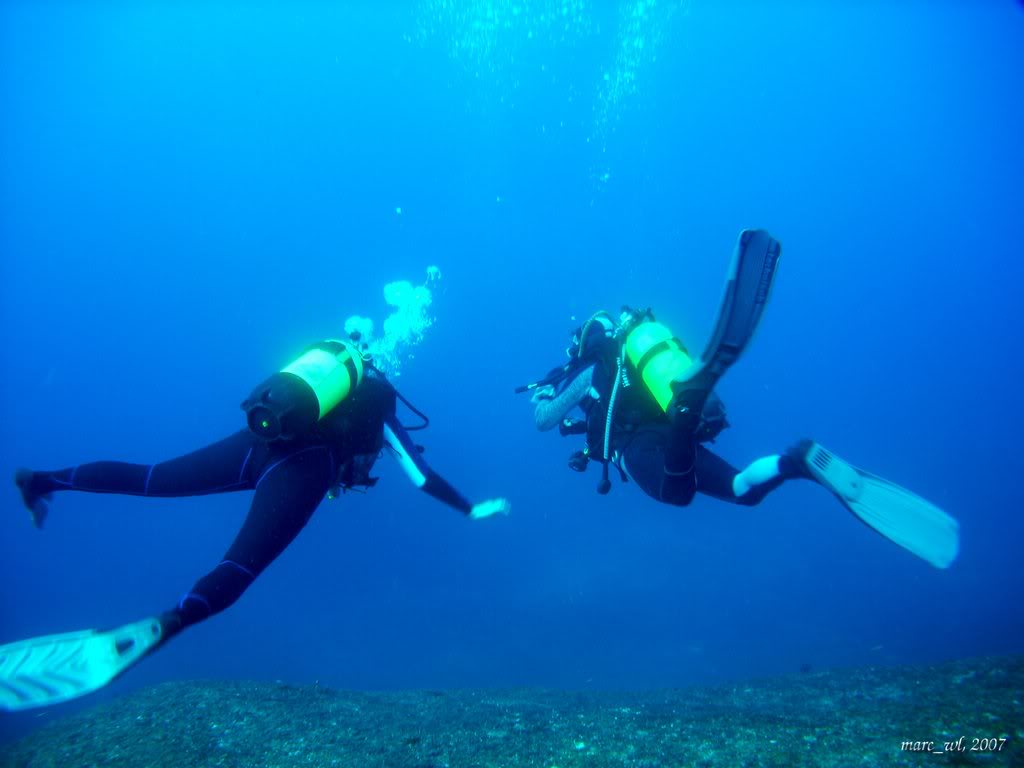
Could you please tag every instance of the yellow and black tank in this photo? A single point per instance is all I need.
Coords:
(658, 358)
(291, 402)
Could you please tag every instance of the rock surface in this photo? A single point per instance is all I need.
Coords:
(838, 718)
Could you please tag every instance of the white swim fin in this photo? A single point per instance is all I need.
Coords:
(54, 668)
(915, 524)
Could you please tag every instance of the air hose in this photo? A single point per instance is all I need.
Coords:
(605, 485)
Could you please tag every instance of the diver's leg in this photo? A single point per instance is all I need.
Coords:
(663, 463)
(679, 470)
(226, 465)
(717, 477)
(288, 491)
(47, 670)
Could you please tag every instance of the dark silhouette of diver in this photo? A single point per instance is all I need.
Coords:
(315, 428)
(649, 407)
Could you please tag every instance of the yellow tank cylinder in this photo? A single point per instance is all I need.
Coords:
(659, 358)
(332, 369)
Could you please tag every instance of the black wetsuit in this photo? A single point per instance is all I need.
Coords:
(673, 468)
(290, 479)
(665, 460)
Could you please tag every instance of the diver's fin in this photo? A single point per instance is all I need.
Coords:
(54, 668)
(747, 287)
(915, 524)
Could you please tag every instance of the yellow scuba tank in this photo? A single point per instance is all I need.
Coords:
(292, 401)
(658, 356)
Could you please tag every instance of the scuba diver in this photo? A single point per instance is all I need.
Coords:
(315, 429)
(649, 408)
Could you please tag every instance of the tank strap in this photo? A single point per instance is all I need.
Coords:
(657, 349)
(335, 347)
(353, 372)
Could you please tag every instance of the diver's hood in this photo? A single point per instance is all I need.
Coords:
(591, 339)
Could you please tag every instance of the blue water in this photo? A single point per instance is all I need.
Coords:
(190, 194)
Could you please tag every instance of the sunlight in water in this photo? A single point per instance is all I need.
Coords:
(488, 36)
(642, 28)
(501, 43)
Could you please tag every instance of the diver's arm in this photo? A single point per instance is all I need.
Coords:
(553, 408)
(408, 456)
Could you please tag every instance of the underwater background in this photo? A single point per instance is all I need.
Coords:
(191, 193)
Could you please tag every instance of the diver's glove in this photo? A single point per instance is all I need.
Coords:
(490, 507)
(543, 394)
(572, 427)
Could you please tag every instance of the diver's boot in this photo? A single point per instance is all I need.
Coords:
(903, 517)
(793, 463)
(32, 496)
(171, 623)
